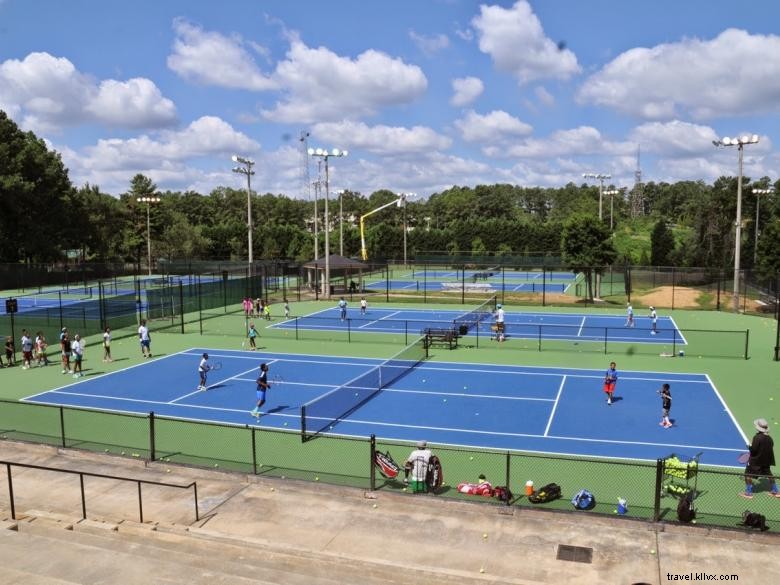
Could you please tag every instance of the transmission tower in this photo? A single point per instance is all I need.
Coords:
(637, 197)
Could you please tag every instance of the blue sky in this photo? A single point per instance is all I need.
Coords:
(424, 94)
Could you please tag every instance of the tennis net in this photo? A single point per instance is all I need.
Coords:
(324, 412)
(473, 318)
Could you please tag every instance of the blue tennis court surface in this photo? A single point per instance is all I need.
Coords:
(553, 410)
(519, 325)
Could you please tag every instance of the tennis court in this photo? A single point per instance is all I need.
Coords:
(523, 408)
(519, 325)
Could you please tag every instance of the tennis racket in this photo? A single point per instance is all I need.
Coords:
(216, 366)
(744, 457)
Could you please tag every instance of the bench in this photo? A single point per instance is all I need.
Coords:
(443, 336)
(468, 286)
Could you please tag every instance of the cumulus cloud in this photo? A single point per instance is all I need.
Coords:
(466, 90)
(515, 40)
(429, 44)
(584, 140)
(211, 58)
(380, 139)
(736, 73)
(49, 93)
(544, 96)
(494, 127)
(322, 86)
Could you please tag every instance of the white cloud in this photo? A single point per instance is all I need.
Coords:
(466, 90)
(735, 73)
(380, 139)
(584, 140)
(674, 138)
(544, 96)
(322, 86)
(211, 58)
(494, 127)
(515, 40)
(49, 93)
(429, 44)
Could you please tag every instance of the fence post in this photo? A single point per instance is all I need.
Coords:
(140, 503)
(254, 452)
(540, 337)
(508, 463)
(62, 426)
(181, 304)
(296, 329)
(544, 286)
(372, 470)
(11, 491)
(747, 342)
(349, 330)
(152, 454)
(83, 498)
(659, 474)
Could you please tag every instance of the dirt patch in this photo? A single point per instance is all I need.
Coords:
(682, 297)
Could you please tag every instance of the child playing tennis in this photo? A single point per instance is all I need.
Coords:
(262, 387)
(666, 404)
(610, 379)
(286, 309)
(252, 336)
(267, 311)
(629, 316)
(203, 369)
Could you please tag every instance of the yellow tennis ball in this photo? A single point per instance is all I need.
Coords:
(484, 535)
(317, 478)
(273, 489)
(471, 458)
(167, 471)
(652, 551)
(482, 569)
(123, 452)
(374, 505)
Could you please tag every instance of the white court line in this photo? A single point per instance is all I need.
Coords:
(555, 406)
(175, 400)
(579, 333)
(89, 377)
(677, 330)
(728, 411)
(536, 436)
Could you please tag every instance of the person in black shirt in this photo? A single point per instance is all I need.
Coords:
(762, 458)
(666, 405)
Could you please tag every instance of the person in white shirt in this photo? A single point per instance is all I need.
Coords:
(286, 309)
(27, 346)
(500, 326)
(78, 355)
(143, 336)
(653, 321)
(107, 345)
(203, 369)
(629, 316)
(363, 306)
(416, 465)
(343, 309)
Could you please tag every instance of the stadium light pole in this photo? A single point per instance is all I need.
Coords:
(600, 177)
(740, 143)
(758, 192)
(246, 169)
(325, 155)
(611, 193)
(402, 203)
(341, 221)
(149, 201)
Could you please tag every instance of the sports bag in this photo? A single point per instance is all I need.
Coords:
(583, 500)
(685, 510)
(547, 493)
(754, 520)
(503, 494)
(387, 467)
(435, 476)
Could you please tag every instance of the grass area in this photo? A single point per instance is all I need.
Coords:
(749, 387)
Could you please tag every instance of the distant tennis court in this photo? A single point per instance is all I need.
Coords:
(549, 410)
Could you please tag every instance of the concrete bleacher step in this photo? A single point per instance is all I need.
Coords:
(199, 551)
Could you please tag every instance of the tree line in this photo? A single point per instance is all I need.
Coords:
(687, 223)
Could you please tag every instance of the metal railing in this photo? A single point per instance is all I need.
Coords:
(82, 474)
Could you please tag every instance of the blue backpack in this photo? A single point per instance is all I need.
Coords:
(583, 500)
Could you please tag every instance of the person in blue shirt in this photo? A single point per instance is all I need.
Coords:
(262, 388)
(610, 379)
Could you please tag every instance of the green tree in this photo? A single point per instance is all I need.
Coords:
(587, 247)
(661, 244)
(768, 252)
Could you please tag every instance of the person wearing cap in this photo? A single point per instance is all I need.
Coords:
(203, 369)
(653, 321)
(417, 465)
(78, 355)
(500, 327)
(762, 458)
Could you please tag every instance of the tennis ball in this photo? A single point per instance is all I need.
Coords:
(482, 569)
(484, 535)
(471, 458)
(445, 400)
(693, 521)
(136, 455)
(465, 387)
(423, 379)
(107, 449)
(285, 424)
(374, 506)
(652, 551)
(273, 489)
(403, 490)
(123, 452)
(317, 478)
(216, 465)
(770, 398)
(614, 511)
(167, 471)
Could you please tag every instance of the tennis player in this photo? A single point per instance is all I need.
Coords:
(343, 308)
(203, 369)
(107, 345)
(145, 339)
(252, 337)
(610, 379)
(666, 405)
(27, 347)
(500, 326)
(363, 305)
(286, 309)
(629, 315)
(653, 321)
(762, 458)
(262, 388)
(78, 355)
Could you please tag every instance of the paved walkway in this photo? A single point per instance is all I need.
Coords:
(360, 537)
